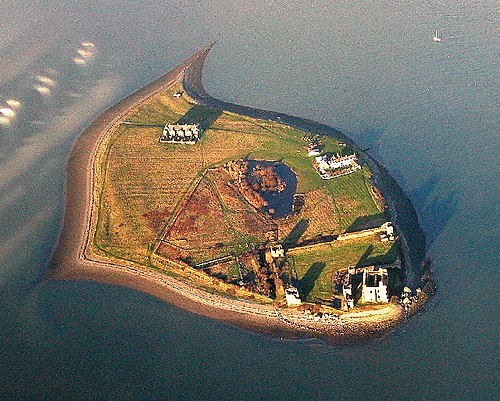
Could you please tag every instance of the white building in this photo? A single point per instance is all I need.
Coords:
(277, 251)
(322, 162)
(314, 151)
(348, 296)
(338, 161)
(180, 133)
(347, 288)
(389, 232)
(292, 296)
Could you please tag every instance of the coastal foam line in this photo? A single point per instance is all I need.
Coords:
(72, 258)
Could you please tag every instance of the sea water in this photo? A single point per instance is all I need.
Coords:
(426, 110)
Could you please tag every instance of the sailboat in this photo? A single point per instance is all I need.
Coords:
(436, 37)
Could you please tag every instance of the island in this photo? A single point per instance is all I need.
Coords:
(264, 220)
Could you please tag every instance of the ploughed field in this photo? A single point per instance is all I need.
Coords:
(163, 202)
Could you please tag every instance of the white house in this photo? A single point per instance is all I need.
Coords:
(336, 162)
(342, 161)
(389, 232)
(313, 151)
(180, 133)
(277, 251)
(322, 162)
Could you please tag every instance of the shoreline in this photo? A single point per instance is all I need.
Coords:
(71, 261)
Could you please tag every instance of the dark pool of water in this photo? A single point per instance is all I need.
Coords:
(279, 201)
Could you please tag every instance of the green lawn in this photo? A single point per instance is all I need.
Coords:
(352, 197)
(316, 266)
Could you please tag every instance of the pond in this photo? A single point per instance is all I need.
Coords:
(279, 202)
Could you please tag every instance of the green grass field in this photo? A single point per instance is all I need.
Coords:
(316, 266)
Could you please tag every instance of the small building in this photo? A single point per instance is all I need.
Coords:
(374, 287)
(277, 251)
(322, 162)
(338, 161)
(298, 203)
(180, 133)
(348, 288)
(313, 151)
(292, 297)
(388, 235)
(348, 295)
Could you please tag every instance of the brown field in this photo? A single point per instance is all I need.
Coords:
(321, 215)
(201, 224)
(243, 217)
(143, 182)
(216, 221)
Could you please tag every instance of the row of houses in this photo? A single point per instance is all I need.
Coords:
(180, 133)
(329, 167)
(336, 162)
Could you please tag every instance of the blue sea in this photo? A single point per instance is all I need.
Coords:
(427, 111)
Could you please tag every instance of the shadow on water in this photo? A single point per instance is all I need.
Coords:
(293, 238)
(440, 212)
(436, 212)
(370, 139)
(205, 116)
(306, 284)
(421, 195)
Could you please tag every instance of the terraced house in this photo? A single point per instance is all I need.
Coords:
(180, 133)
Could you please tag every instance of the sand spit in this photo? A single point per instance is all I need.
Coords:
(72, 258)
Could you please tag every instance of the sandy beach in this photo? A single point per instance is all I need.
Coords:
(72, 258)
